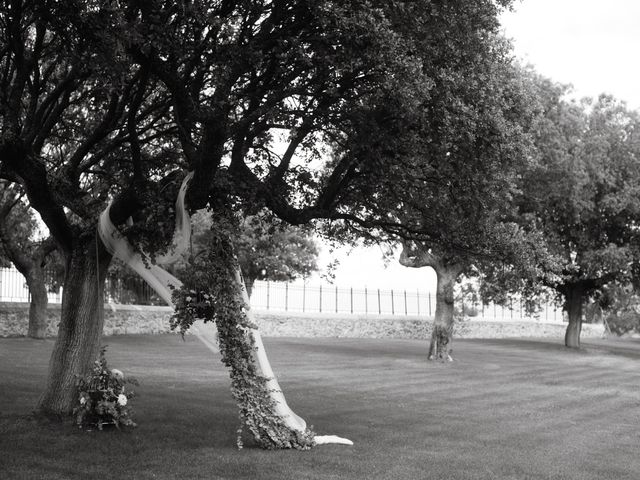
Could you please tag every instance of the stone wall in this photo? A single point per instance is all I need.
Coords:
(118, 319)
(130, 319)
(284, 324)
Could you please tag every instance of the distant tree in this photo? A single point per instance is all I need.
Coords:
(582, 193)
(460, 152)
(274, 252)
(18, 229)
(266, 248)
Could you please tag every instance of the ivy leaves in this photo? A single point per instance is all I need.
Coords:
(211, 293)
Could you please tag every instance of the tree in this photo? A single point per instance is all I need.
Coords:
(68, 124)
(29, 256)
(105, 99)
(459, 153)
(582, 194)
(266, 249)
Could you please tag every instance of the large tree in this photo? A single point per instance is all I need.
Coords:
(458, 156)
(583, 195)
(475, 162)
(102, 98)
(71, 127)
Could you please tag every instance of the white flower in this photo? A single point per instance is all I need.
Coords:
(117, 373)
(83, 400)
(122, 399)
(188, 299)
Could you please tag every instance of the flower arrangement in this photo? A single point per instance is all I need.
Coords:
(103, 398)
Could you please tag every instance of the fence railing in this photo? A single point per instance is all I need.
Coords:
(278, 296)
(294, 297)
(128, 290)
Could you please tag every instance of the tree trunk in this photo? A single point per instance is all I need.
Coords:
(440, 345)
(38, 305)
(78, 342)
(573, 306)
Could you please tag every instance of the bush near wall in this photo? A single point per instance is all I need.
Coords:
(624, 322)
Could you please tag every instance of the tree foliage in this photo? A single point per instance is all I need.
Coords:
(103, 99)
(581, 195)
(265, 247)
(211, 293)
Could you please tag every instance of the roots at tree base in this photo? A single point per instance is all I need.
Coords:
(295, 433)
(439, 347)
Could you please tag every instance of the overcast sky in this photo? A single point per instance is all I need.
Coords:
(593, 45)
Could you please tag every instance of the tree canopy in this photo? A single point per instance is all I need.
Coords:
(104, 100)
(581, 194)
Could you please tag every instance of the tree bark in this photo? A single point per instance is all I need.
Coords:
(78, 342)
(573, 295)
(38, 303)
(441, 336)
(447, 268)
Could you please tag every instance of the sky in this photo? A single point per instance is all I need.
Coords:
(590, 44)
(593, 45)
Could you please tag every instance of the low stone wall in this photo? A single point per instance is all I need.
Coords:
(284, 324)
(131, 319)
(118, 319)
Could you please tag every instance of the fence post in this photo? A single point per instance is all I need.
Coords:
(418, 300)
(393, 310)
(336, 299)
(429, 303)
(366, 301)
(511, 307)
(351, 298)
(379, 309)
(304, 295)
(286, 297)
(320, 298)
(405, 302)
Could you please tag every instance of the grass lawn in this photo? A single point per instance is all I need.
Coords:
(505, 409)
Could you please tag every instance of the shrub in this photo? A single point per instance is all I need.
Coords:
(103, 398)
(625, 322)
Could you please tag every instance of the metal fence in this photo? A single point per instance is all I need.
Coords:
(294, 297)
(279, 296)
(129, 290)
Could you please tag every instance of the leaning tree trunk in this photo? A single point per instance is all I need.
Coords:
(78, 342)
(442, 333)
(573, 307)
(38, 303)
